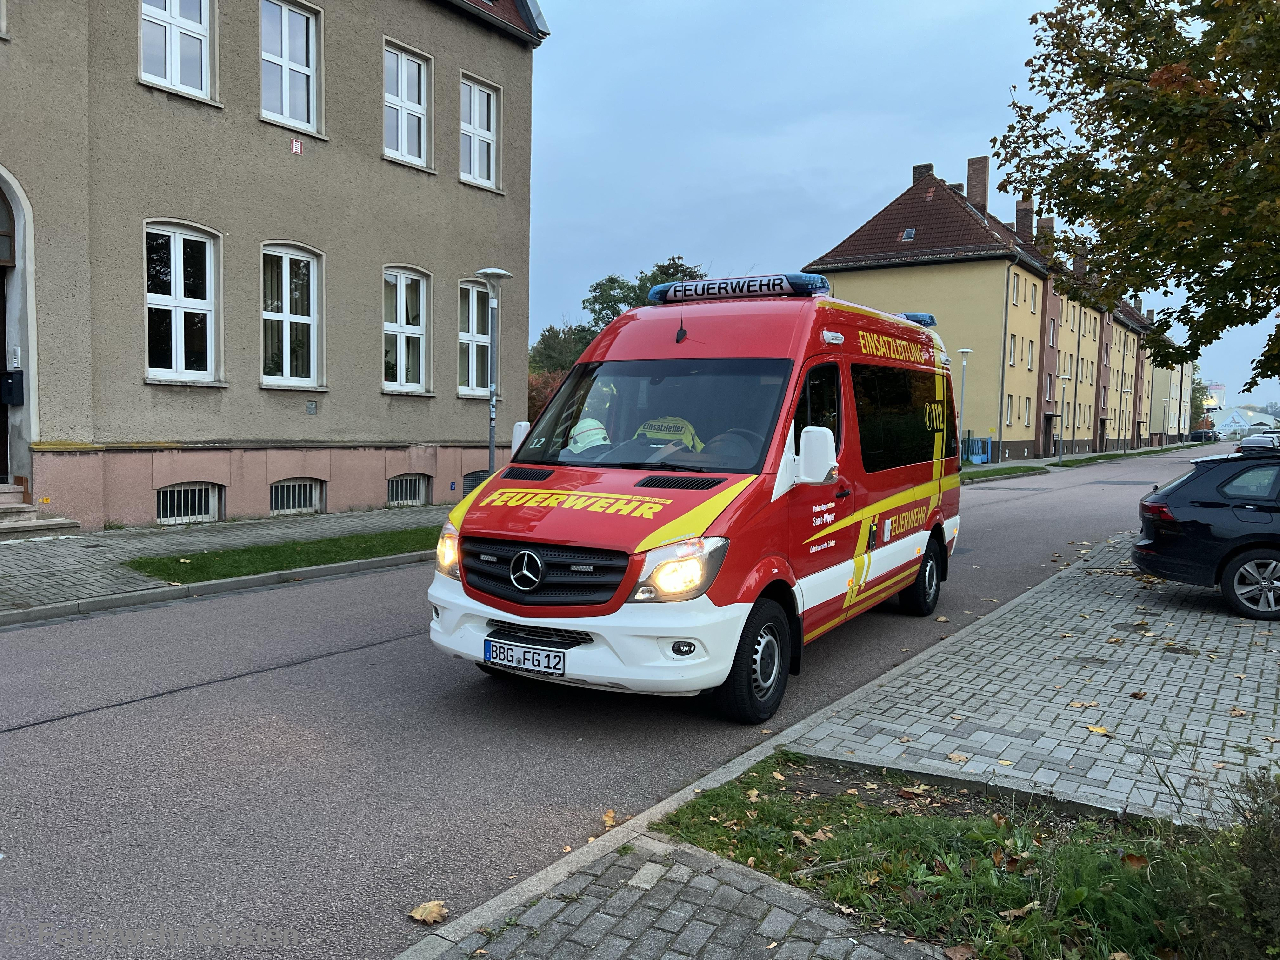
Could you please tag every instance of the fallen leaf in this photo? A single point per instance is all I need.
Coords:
(610, 819)
(778, 776)
(1083, 703)
(872, 786)
(1093, 729)
(997, 856)
(943, 620)
(804, 840)
(1115, 640)
(1272, 739)
(1134, 861)
(567, 849)
(772, 945)
(960, 952)
(957, 757)
(1005, 763)
(174, 583)
(956, 716)
(1241, 676)
(753, 795)
(1119, 955)
(904, 739)
(821, 835)
(852, 791)
(433, 911)
(1066, 634)
(1237, 712)
(1021, 911)
(1218, 766)
(751, 861)
(1000, 820)
(183, 560)
(990, 599)
(871, 878)
(591, 839)
(766, 731)
(1139, 694)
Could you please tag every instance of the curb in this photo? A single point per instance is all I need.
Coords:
(1042, 472)
(206, 588)
(632, 831)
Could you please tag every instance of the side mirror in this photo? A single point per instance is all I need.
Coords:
(518, 433)
(817, 456)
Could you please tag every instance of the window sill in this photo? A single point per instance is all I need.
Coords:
(421, 394)
(178, 92)
(161, 382)
(293, 386)
(477, 396)
(421, 168)
(488, 188)
(296, 128)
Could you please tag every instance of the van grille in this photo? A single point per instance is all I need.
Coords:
(681, 483)
(544, 636)
(572, 576)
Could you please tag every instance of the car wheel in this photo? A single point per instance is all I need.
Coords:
(921, 597)
(1251, 584)
(758, 678)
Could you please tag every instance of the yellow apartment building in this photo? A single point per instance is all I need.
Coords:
(935, 249)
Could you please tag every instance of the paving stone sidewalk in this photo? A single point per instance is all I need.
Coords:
(654, 900)
(59, 569)
(1186, 692)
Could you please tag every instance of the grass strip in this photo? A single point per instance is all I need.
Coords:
(993, 878)
(1125, 454)
(245, 561)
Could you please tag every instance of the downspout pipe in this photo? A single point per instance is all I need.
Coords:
(1004, 360)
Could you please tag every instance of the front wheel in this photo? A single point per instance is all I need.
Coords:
(921, 597)
(1251, 584)
(758, 678)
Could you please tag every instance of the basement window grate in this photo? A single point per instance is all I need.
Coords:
(296, 495)
(188, 503)
(407, 490)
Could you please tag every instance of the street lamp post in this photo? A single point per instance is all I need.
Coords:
(493, 277)
(964, 368)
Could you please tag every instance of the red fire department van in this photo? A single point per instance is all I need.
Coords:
(723, 477)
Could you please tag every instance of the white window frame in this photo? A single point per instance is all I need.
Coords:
(189, 494)
(1016, 279)
(401, 482)
(477, 134)
(289, 486)
(405, 107)
(175, 26)
(311, 70)
(1031, 351)
(1028, 411)
(1008, 411)
(289, 254)
(1013, 349)
(403, 331)
(1035, 291)
(178, 304)
(471, 338)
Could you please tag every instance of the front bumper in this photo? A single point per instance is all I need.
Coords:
(631, 648)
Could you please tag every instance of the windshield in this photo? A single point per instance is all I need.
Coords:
(712, 416)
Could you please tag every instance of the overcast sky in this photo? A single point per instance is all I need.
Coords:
(752, 136)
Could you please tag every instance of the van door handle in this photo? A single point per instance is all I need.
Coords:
(843, 493)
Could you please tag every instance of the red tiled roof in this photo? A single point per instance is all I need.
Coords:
(947, 228)
(510, 12)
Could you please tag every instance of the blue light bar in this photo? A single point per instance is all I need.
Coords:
(924, 319)
(734, 288)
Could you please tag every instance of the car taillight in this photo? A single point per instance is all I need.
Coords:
(1156, 511)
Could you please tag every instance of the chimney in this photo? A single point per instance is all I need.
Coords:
(1044, 227)
(957, 187)
(979, 174)
(1151, 316)
(920, 171)
(1026, 213)
(1137, 303)
(1077, 267)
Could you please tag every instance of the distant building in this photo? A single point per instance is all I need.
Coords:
(1045, 370)
(246, 232)
(1216, 398)
(1240, 420)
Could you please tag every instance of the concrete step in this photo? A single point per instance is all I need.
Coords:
(10, 496)
(14, 511)
(11, 529)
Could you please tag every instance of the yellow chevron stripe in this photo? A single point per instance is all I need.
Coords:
(460, 511)
(695, 522)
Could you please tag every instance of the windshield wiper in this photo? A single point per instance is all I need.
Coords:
(658, 465)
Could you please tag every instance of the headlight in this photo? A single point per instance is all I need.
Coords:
(447, 551)
(680, 571)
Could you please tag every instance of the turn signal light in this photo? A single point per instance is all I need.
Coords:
(1156, 511)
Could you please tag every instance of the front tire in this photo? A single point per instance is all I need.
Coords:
(1251, 584)
(758, 678)
(921, 597)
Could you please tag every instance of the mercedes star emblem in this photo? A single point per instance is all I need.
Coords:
(526, 570)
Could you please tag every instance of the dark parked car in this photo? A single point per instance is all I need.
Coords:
(1219, 525)
(1204, 436)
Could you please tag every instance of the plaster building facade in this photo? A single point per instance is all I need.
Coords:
(245, 236)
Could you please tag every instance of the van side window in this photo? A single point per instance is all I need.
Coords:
(819, 404)
(900, 417)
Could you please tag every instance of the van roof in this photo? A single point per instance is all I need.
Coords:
(791, 327)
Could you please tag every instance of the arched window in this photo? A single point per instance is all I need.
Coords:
(7, 239)
(181, 303)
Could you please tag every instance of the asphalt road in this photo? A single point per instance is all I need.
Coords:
(300, 757)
